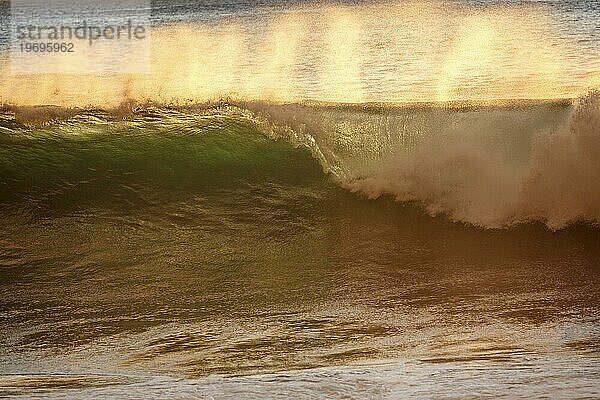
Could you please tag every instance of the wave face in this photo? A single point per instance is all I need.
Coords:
(149, 158)
(489, 166)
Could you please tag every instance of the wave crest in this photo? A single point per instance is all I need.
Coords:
(474, 183)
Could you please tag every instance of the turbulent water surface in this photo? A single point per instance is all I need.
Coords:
(313, 237)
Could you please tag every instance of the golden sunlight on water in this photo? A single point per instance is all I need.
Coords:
(494, 47)
(396, 52)
(341, 69)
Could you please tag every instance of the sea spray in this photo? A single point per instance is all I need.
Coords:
(471, 182)
(563, 183)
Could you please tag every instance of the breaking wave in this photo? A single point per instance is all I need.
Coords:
(558, 182)
(492, 166)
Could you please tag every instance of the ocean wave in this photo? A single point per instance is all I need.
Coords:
(489, 165)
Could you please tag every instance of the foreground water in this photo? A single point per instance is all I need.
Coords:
(370, 299)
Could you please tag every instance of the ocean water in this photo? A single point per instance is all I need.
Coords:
(310, 200)
(348, 51)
